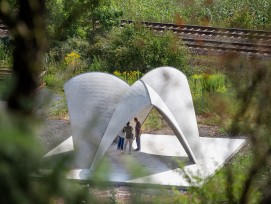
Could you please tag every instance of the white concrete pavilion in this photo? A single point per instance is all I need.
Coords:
(100, 105)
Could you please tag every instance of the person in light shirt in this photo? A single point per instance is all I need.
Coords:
(121, 139)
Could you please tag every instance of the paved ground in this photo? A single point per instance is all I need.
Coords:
(53, 132)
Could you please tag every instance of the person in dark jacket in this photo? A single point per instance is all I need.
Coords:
(137, 134)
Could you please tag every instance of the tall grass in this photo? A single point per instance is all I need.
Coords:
(130, 76)
(213, 98)
(210, 83)
(229, 13)
(153, 122)
(152, 10)
(5, 53)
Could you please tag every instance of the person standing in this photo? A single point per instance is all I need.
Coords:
(121, 139)
(128, 137)
(137, 134)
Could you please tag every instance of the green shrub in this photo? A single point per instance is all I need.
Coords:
(64, 65)
(50, 80)
(73, 44)
(97, 65)
(135, 48)
(6, 50)
(79, 18)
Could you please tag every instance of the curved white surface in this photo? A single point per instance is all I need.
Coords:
(172, 86)
(100, 105)
(158, 103)
(139, 98)
(92, 99)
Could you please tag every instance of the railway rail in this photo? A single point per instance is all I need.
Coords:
(204, 38)
(255, 42)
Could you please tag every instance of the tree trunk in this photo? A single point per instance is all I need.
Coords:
(30, 41)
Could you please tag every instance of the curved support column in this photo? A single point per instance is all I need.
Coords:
(91, 99)
(158, 103)
(173, 88)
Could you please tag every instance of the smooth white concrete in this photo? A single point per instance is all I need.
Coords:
(65, 146)
(91, 99)
(158, 103)
(172, 86)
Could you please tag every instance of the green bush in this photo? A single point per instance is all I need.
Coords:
(6, 50)
(66, 60)
(135, 48)
(97, 65)
(62, 48)
(79, 18)
(51, 80)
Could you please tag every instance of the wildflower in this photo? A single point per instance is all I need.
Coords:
(72, 58)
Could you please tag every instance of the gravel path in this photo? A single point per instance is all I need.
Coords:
(54, 132)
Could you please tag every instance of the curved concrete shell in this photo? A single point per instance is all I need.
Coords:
(100, 105)
(97, 113)
(172, 86)
(91, 99)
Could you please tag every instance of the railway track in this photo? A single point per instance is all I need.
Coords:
(207, 39)
(252, 42)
